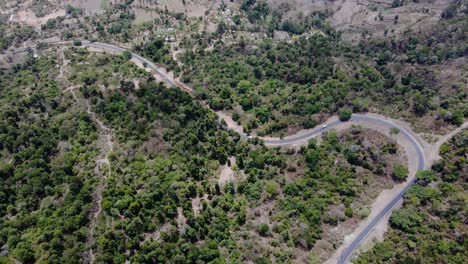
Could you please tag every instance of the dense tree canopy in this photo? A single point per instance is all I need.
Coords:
(46, 167)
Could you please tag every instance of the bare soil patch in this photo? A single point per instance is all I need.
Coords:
(28, 17)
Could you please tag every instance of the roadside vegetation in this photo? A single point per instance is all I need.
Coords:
(431, 225)
(163, 200)
(278, 87)
(165, 193)
(281, 86)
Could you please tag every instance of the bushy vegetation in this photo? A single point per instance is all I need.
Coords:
(416, 58)
(13, 35)
(262, 17)
(162, 200)
(47, 156)
(400, 172)
(116, 24)
(431, 226)
(148, 202)
(157, 51)
(273, 86)
(345, 114)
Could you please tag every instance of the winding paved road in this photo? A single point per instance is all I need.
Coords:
(347, 253)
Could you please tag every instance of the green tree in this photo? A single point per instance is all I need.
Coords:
(127, 55)
(457, 118)
(426, 175)
(400, 172)
(345, 114)
(77, 43)
(271, 189)
(405, 219)
(263, 229)
(349, 212)
(420, 104)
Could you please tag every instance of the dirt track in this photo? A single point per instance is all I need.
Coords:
(106, 146)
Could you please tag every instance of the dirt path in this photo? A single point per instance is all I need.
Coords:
(106, 145)
(63, 66)
(104, 137)
(230, 122)
(435, 152)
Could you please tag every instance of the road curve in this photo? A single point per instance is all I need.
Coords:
(347, 253)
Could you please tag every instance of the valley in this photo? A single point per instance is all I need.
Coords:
(245, 131)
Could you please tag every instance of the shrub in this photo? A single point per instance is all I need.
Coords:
(271, 189)
(405, 219)
(263, 230)
(364, 212)
(77, 43)
(127, 55)
(345, 115)
(349, 212)
(400, 172)
(394, 130)
(425, 175)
